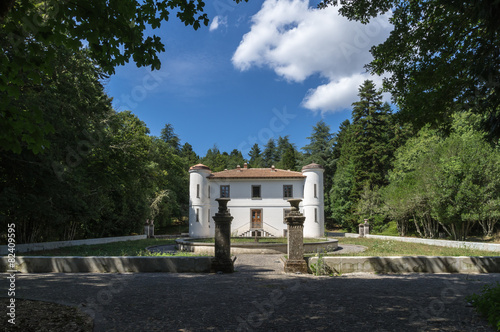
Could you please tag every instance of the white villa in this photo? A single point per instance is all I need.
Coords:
(258, 199)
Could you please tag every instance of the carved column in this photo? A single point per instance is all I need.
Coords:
(222, 261)
(295, 222)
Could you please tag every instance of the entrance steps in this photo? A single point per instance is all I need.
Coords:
(259, 232)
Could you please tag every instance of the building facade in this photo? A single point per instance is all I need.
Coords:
(258, 199)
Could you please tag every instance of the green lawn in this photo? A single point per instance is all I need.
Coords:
(125, 248)
(378, 247)
(375, 248)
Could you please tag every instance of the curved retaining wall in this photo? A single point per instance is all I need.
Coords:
(253, 248)
(45, 264)
(408, 264)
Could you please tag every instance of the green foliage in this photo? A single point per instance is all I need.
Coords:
(255, 157)
(373, 132)
(488, 304)
(388, 229)
(100, 174)
(270, 154)
(342, 205)
(449, 183)
(113, 32)
(289, 159)
(218, 161)
(441, 57)
(321, 268)
(280, 153)
(320, 151)
(407, 197)
(188, 155)
(170, 137)
(364, 151)
(214, 159)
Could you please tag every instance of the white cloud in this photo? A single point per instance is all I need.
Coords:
(217, 22)
(297, 41)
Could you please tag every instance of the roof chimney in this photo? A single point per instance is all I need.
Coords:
(238, 167)
(273, 168)
(245, 165)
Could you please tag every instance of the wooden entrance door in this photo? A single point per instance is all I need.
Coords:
(256, 219)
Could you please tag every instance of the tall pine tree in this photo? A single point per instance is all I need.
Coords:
(270, 154)
(170, 137)
(255, 156)
(373, 132)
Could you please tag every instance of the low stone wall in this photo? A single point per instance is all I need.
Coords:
(254, 247)
(409, 264)
(442, 243)
(27, 247)
(44, 264)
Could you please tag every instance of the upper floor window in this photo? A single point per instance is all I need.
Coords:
(224, 191)
(287, 191)
(256, 191)
(315, 191)
(197, 191)
(208, 191)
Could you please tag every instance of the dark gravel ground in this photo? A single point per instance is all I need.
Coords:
(258, 297)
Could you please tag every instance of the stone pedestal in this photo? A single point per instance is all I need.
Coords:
(222, 261)
(295, 221)
(367, 227)
(361, 230)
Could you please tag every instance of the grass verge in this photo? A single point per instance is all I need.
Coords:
(123, 248)
(378, 247)
(375, 247)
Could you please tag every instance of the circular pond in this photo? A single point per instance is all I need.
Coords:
(263, 246)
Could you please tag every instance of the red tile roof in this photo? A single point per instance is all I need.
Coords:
(199, 166)
(256, 173)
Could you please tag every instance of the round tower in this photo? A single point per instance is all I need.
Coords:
(199, 201)
(313, 203)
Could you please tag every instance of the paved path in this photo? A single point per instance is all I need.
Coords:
(260, 298)
(259, 264)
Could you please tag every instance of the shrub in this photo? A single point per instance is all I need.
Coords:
(488, 304)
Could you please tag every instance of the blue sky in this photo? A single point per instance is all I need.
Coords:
(261, 70)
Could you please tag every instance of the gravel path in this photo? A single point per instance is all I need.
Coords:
(260, 298)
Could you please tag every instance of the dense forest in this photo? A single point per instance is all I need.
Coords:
(429, 165)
